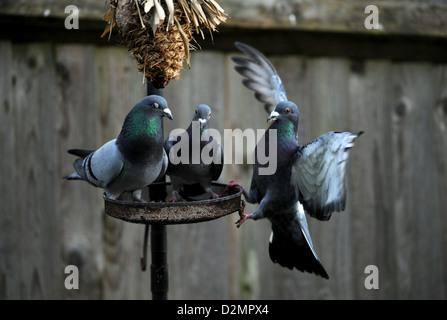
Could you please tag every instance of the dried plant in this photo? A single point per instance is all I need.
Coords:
(159, 32)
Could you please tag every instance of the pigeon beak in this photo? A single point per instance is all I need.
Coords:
(168, 113)
(272, 116)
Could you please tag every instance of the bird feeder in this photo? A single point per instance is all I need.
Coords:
(160, 214)
(183, 212)
(158, 34)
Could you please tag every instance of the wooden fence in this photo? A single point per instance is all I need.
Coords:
(56, 96)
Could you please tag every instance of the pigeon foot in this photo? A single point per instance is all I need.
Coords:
(232, 184)
(243, 216)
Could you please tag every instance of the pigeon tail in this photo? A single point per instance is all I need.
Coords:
(73, 176)
(82, 153)
(80, 171)
(78, 164)
(292, 250)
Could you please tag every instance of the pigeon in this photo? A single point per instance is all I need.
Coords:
(309, 178)
(190, 173)
(134, 159)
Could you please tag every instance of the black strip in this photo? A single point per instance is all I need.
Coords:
(269, 41)
(89, 164)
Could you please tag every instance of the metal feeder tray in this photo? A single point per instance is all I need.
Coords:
(177, 212)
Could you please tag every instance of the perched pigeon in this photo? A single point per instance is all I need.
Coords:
(133, 160)
(309, 178)
(202, 159)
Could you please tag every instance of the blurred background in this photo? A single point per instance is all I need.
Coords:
(62, 89)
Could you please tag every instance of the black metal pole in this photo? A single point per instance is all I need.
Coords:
(159, 265)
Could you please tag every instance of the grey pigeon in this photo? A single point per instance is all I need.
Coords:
(201, 162)
(134, 159)
(309, 178)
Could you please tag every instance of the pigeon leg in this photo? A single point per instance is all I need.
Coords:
(174, 197)
(258, 214)
(213, 194)
(242, 215)
(136, 195)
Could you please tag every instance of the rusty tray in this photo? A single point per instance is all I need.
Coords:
(178, 212)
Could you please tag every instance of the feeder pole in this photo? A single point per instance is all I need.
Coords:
(159, 265)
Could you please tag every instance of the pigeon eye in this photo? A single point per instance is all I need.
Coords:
(287, 111)
(209, 115)
(196, 111)
(156, 105)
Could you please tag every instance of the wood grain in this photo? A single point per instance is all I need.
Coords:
(59, 96)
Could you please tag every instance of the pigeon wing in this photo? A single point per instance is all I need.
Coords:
(261, 76)
(104, 165)
(319, 172)
(164, 167)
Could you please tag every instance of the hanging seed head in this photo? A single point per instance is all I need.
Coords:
(159, 55)
(158, 32)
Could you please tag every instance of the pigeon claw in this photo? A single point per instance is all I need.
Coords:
(230, 185)
(173, 199)
(242, 215)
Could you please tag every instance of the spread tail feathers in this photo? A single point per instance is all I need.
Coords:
(288, 254)
(290, 247)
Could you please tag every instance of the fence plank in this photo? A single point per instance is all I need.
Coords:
(79, 204)
(9, 223)
(418, 203)
(371, 203)
(34, 161)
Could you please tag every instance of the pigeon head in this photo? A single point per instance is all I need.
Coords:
(142, 130)
(202, 114)
(154, 105)
(145, 118)
(285, 111)
(285, 120)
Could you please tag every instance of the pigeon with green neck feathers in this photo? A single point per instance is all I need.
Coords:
(134, 159)
(190, 173)
(309, 178)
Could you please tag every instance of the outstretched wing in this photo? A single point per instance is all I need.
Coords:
(261, 76)
(319, 171)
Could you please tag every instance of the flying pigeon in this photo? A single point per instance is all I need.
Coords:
(134, 159)
(195, 157)
(309, 178)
